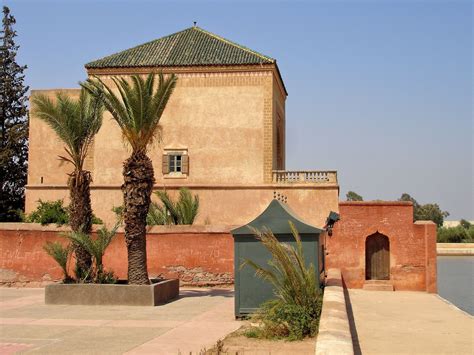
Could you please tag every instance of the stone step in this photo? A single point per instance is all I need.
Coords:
(378, 285)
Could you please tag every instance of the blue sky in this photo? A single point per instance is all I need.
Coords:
(379, 90)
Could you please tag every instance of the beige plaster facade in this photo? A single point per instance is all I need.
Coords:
(230, 122)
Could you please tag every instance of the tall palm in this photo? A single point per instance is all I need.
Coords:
(137, 108)
(75, 122)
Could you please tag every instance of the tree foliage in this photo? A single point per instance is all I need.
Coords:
(75, 122)
(138, 108)
(464, 233)
(13, 124)
(353, 196)
(428, 212)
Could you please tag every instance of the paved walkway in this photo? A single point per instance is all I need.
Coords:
(409, 323)
(195, 321)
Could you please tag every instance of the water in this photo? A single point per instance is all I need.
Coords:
(456, 281)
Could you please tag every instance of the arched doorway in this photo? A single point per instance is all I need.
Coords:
(377, 257)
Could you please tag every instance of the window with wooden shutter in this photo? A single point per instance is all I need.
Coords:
(175, 163)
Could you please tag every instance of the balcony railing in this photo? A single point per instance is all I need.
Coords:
(302, 177)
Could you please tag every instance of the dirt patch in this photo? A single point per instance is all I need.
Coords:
(238, 344)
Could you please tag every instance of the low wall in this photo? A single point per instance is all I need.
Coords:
(455, 249)
(334, 335)
(197, 255)
(412, 245)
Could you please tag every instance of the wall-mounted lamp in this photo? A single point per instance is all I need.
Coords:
(330, 221)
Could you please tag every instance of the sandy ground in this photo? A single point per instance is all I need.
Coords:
(238, 344)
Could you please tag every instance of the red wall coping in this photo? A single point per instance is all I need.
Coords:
(375, 203)
(183, 229)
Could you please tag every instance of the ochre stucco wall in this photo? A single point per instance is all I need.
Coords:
(219, 204)
(412, 246)
(220, 118)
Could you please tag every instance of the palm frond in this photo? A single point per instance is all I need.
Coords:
(294, 281)
(170, 206)
(157, 215)
(138, 107)
(187, 206)
(75, 122)
(60, 254)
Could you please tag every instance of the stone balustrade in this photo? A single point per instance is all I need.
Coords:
(303, 176)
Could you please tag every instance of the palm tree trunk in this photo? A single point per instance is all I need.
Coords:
(81, 217)
(137, 188)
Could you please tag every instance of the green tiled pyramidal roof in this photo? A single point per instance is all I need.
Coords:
(190, 47)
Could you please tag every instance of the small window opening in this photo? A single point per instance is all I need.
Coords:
(175, 163)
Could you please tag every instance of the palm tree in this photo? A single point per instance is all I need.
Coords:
(75, 122)
(137, 109)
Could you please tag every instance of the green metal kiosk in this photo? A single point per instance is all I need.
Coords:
(251, 291)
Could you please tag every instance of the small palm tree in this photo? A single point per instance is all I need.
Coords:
(61, 255)
(96, 247)
(75, 122)
(293, 281)
(184, 211)
(137, 109)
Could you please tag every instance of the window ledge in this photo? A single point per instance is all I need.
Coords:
(181, 176)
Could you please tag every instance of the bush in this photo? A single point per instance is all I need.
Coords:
(49, 212)
(280, 320)
(295, 312)
(458, 234)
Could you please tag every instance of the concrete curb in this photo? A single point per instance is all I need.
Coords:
(334, 335)
(457, 249)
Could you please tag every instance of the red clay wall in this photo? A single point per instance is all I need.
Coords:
(201, 255)
(412, 246)
(198, 255)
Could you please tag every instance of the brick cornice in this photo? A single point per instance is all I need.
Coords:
(211, 69)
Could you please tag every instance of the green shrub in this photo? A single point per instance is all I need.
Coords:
(49, 212)
(280, 320)
(458, 234)
(295, 312)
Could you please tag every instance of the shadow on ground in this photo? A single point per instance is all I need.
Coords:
(350, 315)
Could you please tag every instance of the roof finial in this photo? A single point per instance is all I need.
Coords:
(194, 23)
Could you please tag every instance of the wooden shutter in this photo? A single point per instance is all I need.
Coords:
(166, 164)
(185, 164)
